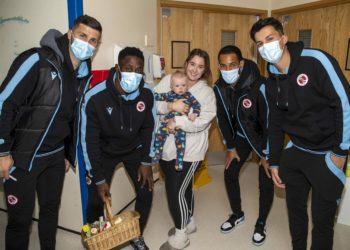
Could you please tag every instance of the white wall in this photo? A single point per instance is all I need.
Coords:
(124, 23)
(19, 34)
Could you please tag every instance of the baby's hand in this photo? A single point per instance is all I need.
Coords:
(192, 117)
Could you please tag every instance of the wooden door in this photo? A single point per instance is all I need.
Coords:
(330, 30)
(203, 30)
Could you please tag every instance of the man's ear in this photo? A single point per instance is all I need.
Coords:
(241, 63)
(284, 39)
(69, 34)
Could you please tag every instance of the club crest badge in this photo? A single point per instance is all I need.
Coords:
(302, 80)
(247, 103)
(140, 106)
(12, 200)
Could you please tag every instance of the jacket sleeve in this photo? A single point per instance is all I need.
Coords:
(225, 125)
(162, 87)
(147, 131)
(14, 92)
(275, 133)
(263, 113)
(90, 140)
(337, 88)
(208, 112)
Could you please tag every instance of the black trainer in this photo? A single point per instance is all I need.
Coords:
(139, 244)
(259, 235)
(230, 224)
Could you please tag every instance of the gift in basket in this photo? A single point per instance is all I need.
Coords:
(118, 229)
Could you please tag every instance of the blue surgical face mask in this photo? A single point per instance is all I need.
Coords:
(230, 76)
(82, 50)
(271, 52)
(130, 81)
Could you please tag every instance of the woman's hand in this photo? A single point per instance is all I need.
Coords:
(171, 126)
(178, 106)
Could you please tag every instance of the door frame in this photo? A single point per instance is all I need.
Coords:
(308, 6)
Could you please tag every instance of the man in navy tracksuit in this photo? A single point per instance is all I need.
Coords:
(39, 103)
(117, 127)
(309, 101)
(242, 117)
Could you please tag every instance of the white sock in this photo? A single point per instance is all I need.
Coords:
(180, 232)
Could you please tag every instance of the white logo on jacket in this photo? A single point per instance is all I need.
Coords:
(247, 103)
(53, 74)
(109, 110)
(302, 80)
(140, 106)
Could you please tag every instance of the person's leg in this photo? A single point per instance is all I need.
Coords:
(176, 184)
(189, 195)
(95, 204)
(49, 190)
(323, 174)
(20, 200)
(266, 190)
(180, 142)
(297, 193)
(323, 213)
(159, 140)
(265, 203)
(144, 196)
(231, 176)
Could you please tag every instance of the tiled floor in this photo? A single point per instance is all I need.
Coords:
(211, 209)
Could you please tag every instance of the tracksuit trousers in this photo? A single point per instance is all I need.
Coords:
(301, 172)
(231, 176)
(131, 162)
(179, 190)
(46, 179)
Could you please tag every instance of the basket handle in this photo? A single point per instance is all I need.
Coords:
(109, 211)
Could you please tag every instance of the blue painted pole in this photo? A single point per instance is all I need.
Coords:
(75, 9)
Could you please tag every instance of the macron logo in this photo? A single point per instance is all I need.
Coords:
(53, 75)
(109, 110)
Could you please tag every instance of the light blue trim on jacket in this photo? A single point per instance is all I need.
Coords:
(17, 78)
(52, 118)
(154, 114)
(227, 113)
(262, 89)
(98, 88)
(338, 87)
(334, 169)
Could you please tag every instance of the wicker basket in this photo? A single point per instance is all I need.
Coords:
(125, 227)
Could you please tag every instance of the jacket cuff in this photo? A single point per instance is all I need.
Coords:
(100, 182)
(340, 152)
(4, 147)
(2, 154)
(146, 164)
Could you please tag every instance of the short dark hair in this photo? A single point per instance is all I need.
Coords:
(89, 21)
(130, 51)
(201, 53)
(230, 49)
(263, 23)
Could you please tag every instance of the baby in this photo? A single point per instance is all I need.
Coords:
(179, 90)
